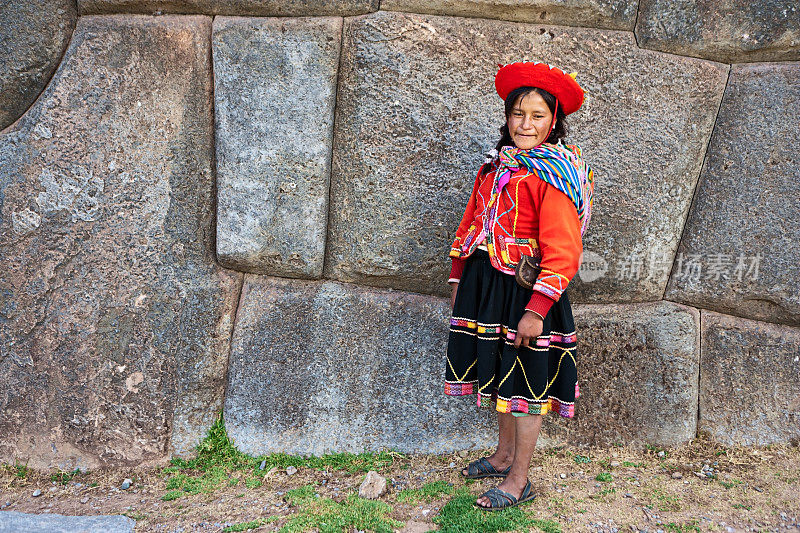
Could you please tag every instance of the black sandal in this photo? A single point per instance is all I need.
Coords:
(482, 468)
(500, 499)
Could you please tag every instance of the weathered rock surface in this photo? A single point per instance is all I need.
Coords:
(739, 251)
(731, 31)
(275, 90)
(33, 37)
(608, 14)
(416, 108)
(263, 8)
(114, 318)
(637, 370)
(749, 389)
(318, 367)
(56, 523)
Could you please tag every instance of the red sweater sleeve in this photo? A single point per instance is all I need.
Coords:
(457, 266)
(561, 246)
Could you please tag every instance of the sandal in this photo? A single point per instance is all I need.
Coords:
(500, 499)
(482, 468)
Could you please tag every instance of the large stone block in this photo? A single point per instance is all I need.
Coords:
(275, 91)
(321, 367)
(608, 14)
(739, 253)
(731, 31)
(638, 372)
(115, 320)
(33, 36)
(259, 8)
(416, 109)
(749, 381)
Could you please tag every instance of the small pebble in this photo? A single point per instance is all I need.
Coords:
(562, 476)
(628, 495)
(452, 465)
(757, 489)
(84, 499)
(677, 475)
(463, 453)
(126, 484)
(53, 489)
(425, 512)
(661, 454)
(614, 464)
(37, 493)
(263, 465)
(291, 470)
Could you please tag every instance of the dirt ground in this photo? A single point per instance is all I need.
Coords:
(698, 487)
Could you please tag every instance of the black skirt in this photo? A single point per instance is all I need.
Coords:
(482, 359)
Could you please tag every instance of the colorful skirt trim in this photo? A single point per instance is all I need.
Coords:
(482, 359)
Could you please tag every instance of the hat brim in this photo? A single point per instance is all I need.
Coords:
(522, 74)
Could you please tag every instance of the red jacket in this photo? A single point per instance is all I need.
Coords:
(529, 217)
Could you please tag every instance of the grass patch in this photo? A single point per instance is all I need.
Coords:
(64, 477)
(253, 524)
(218, 463)
(731, 484)
(582, 459)
(328, 516)
(459, 515)
(664, 501)
(686, 527)
(741, 506)
(630, 464)
(605, 477)
(427, 492)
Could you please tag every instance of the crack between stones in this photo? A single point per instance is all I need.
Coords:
(697, 184)
(699, 370)
(636, 23)
(230, 344)
(330, 158)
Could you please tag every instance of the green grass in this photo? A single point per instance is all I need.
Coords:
(253, 524)
(730, 485)
(741, 506)
(459, 515)
(581, 459)
(605, 477)
(629, 464)
(218, 463)
(64, 477)
(665, 502)
(328, 516)
(427, 492)
(687, 527)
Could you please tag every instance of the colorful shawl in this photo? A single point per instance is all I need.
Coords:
(560, 165)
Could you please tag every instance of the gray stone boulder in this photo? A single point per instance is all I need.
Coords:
(275, 89)
(739, 254)
(262, 8)
(33, 37)
(637, 371)
(608, 14)
(115, 320)
(416, 109)
(13, 521)
(319, 367)
(731, 31)
(749, 389)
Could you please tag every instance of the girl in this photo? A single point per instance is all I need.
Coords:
(515, 346)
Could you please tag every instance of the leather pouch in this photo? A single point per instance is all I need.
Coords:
(527, 271)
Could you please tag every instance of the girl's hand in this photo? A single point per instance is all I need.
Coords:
(530, 326)
(453, 295)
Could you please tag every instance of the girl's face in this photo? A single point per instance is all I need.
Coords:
(529, 121)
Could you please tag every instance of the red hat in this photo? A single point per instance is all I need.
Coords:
(522, 74)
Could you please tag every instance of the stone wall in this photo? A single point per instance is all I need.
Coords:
(247, 206)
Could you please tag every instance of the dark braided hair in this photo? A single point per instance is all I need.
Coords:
(559, 130)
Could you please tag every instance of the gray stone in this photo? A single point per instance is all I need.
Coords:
(14, 522)
(114, 317)
(749, 389)
(731, 31)
(275, 90)
(319, 367)
(263, 8)
(739, 253)
(373, 486)
(410, 137)
(638, 369)
(33, 37)
(608, 14)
